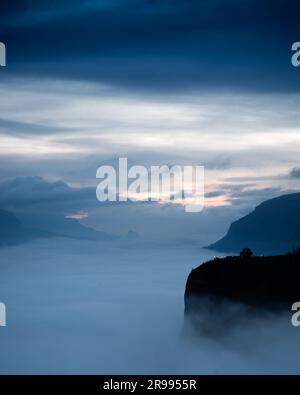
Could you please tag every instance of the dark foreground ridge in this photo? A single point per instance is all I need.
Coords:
(263, 282)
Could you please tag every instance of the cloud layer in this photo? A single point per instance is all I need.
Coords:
(162, 45)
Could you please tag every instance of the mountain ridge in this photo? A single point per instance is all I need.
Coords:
(273, 227)
(13, 231)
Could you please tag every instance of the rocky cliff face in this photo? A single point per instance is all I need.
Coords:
(237, 285)
(272, 228)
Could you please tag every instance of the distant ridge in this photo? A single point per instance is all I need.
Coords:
(272, 228)
(14, 232)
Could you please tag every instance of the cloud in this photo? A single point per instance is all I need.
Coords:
(26, 129)
(56, 117)
(36, 200)
(256, 192)
(78, 215)
(244, 197)
(35, 192)
(65, 130)
(156, 45)
(214, 194)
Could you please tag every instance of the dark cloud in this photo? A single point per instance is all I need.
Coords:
(237, 187)
(246, 196)
(255, 196)
(156, 44)
(218, 163)
(214, 194)
(26, 129)
(35, 192)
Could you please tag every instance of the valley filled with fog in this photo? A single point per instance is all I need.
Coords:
(118, 308)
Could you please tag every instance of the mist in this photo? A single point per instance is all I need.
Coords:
(84, 307)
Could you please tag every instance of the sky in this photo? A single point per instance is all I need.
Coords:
(160, 82)
(158, 45)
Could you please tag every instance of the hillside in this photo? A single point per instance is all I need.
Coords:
(13, 231)
(272, 228)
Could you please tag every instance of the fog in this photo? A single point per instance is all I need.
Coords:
(82, 307)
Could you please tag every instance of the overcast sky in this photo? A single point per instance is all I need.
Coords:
(156, 44)
(169, 82)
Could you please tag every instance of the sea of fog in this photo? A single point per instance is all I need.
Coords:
(81, 307)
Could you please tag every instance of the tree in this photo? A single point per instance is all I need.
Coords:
(246, 253)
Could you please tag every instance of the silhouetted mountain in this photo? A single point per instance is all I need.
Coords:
(272, 228)
(71, 228)
(252, 285)
(42, 206)
(13, 232)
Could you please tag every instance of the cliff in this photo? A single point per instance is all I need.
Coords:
(224, 289)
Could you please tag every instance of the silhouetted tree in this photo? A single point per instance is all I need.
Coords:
(246, 253)
(295, 251)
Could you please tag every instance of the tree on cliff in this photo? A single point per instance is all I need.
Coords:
(246, 253)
